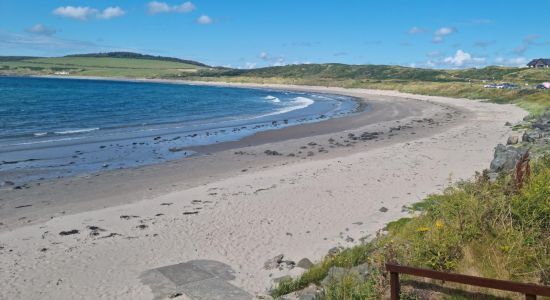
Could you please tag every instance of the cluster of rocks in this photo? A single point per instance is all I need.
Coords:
(334, 275)
(277, 262)
(535, 138)
(365, 136)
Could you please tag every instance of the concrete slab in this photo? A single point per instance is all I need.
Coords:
(181, 274)
(196, 279)
(215, 289)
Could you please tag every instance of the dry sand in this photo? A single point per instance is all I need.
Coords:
(243, 206)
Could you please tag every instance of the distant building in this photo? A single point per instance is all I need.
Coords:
(539, 63)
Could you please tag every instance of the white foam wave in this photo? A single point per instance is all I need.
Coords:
(40, 133)
(272, 99)
(46, 141)
(76, 131)
(298, 103)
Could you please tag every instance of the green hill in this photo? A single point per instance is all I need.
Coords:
(115, 64)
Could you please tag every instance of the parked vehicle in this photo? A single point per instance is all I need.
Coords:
(490, 86)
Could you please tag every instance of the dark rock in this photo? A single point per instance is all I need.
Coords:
(531, 136)
(335, 274)
(304, 263)
(95, 230)
(272, 152)
(274, 262)
(512, 140)
(505, 158)
(166, 204)
(113, 234)
(310, 153)
(190, 212)
(26, 205)
(312, 292)
(69, 232)
(383, 209)
(7, 183)
(126, 217)
(333, 251)
(174, 295)
(142, 226)
(176, 149)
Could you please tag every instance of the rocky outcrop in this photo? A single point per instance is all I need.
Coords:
(505, 158)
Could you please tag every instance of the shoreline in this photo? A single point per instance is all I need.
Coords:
(175, 141)
(242, 205)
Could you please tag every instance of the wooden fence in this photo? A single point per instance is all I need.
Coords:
(529, 290)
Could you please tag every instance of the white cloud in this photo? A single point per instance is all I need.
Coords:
(416, 30)
(205, 20)
(512, 62)
(84, 13)
(463, 59)
(156, 7)
(264, 55)
(279, 62)
(444, 31)
(75, 12)
(434, 54)
(441, 33)
(437, 39)
(40, 29)
(111, 12)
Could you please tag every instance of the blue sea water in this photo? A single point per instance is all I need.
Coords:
(51, 126)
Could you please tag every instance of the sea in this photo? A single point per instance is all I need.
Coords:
(57, 127)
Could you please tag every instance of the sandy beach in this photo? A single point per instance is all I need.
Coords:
(297, 191)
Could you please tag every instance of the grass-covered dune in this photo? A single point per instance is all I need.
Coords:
(467, 83)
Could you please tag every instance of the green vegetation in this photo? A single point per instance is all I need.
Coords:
(452, 83)
(497, 229)
(131, 55)
(119, 64)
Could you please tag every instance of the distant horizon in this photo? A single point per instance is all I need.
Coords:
(242, 34)
(260, 67)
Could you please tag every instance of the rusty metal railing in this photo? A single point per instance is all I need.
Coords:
(529, 290)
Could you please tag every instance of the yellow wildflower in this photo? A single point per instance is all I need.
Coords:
(423, 229)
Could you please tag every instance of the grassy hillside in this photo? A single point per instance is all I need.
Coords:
(88, 65)
(453, 83)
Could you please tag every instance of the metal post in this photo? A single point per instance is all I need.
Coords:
(394, 285)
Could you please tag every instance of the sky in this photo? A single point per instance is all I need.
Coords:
(257, 33)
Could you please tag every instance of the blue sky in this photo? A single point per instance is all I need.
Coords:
(256, 33)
